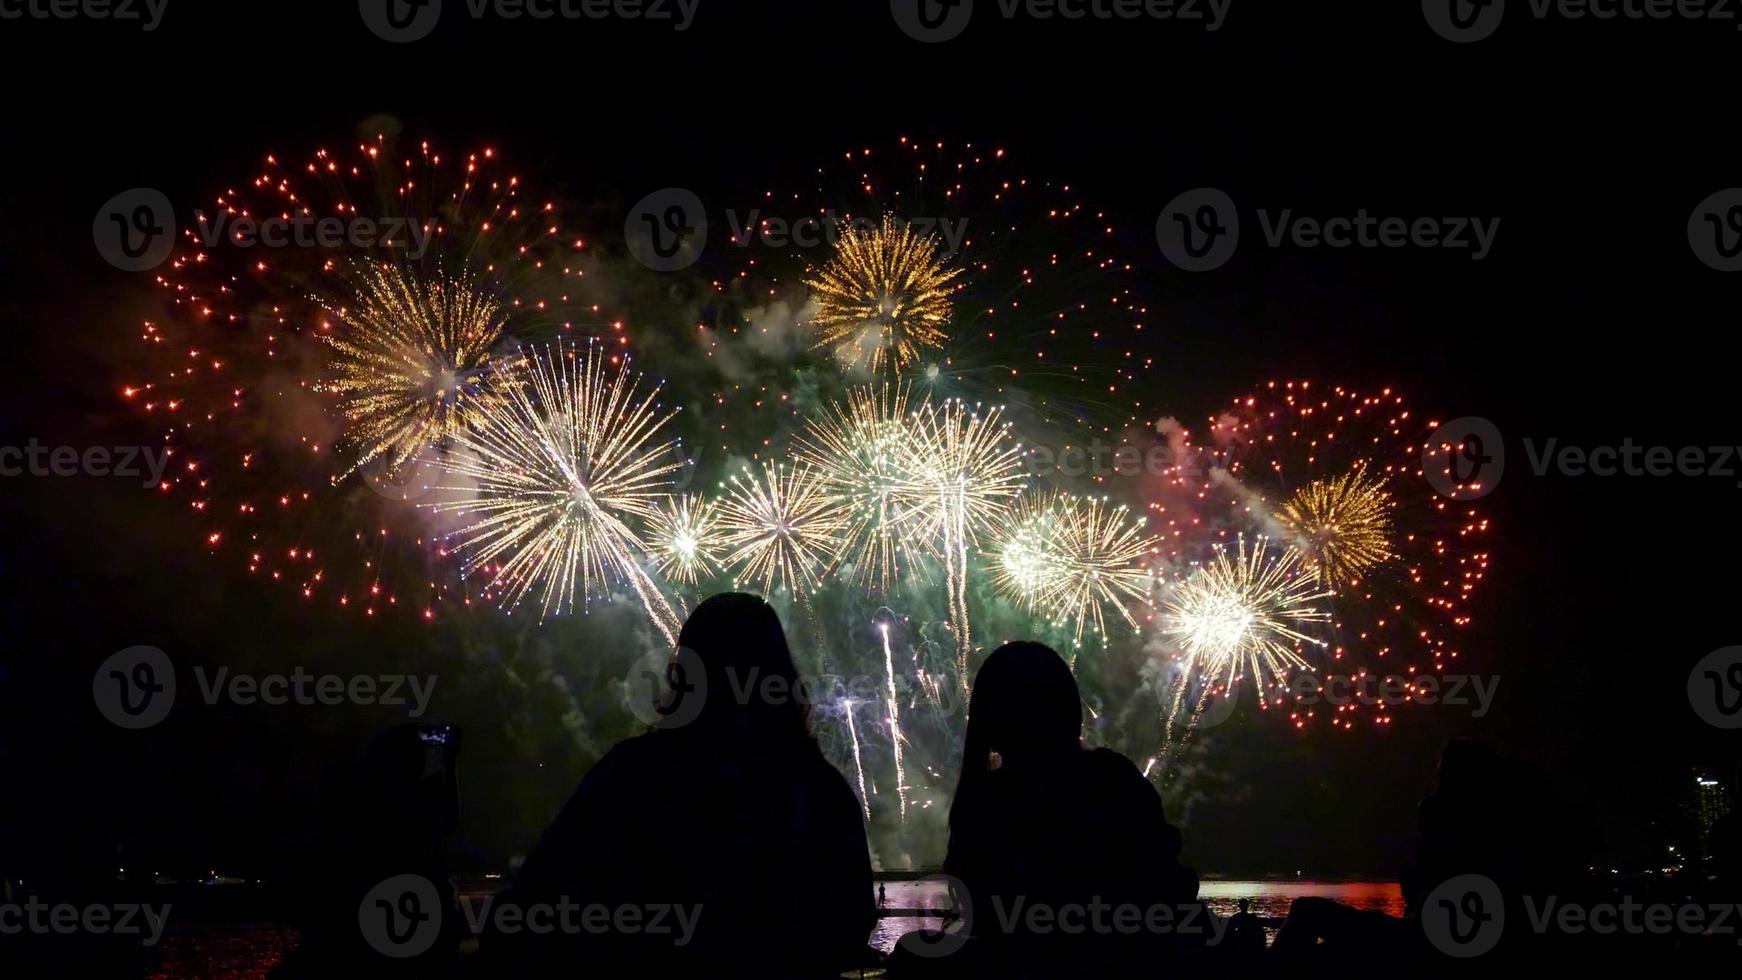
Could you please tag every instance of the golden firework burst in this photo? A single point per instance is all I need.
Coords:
(555, 477)
(1341, 525)
(684, 534)
(1072, 558)
(884, 297)
(1243, 615)
(783, 527)
(410, 358)
(862, 450)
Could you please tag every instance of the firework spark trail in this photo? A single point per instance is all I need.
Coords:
(1239, 615)
(782, 526)
(969, 470)
(896, 736)
(554, 475)
(883, 298)
(409, 360)
(861, 449)
(858, 762)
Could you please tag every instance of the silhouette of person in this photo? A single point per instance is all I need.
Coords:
(1051, 840)
(389, 814)
(735, 822)
(1245, 931)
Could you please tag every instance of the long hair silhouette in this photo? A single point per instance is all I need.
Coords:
(1025, 702)
(751, 681)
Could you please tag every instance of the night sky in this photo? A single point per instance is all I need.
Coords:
(1591, 321)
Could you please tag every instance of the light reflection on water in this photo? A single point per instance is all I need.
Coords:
(1269, 900)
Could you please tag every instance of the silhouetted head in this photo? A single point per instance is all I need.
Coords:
(1245, 905)
(1025, 703)
(751, 680)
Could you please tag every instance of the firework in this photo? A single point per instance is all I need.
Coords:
(1070, 559)
(1028, 563)
(967, 469)
(1366, 451)
(1242, 615)
(884, 297)
(1338, 474)
(1048, 314)
(685, 535)
(1103, 550)
(274, 373)
(858, 759)
(782, 526)
(892, 706)
(861, 450)
(410, 360)
(553, 479)
(1342, 525)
